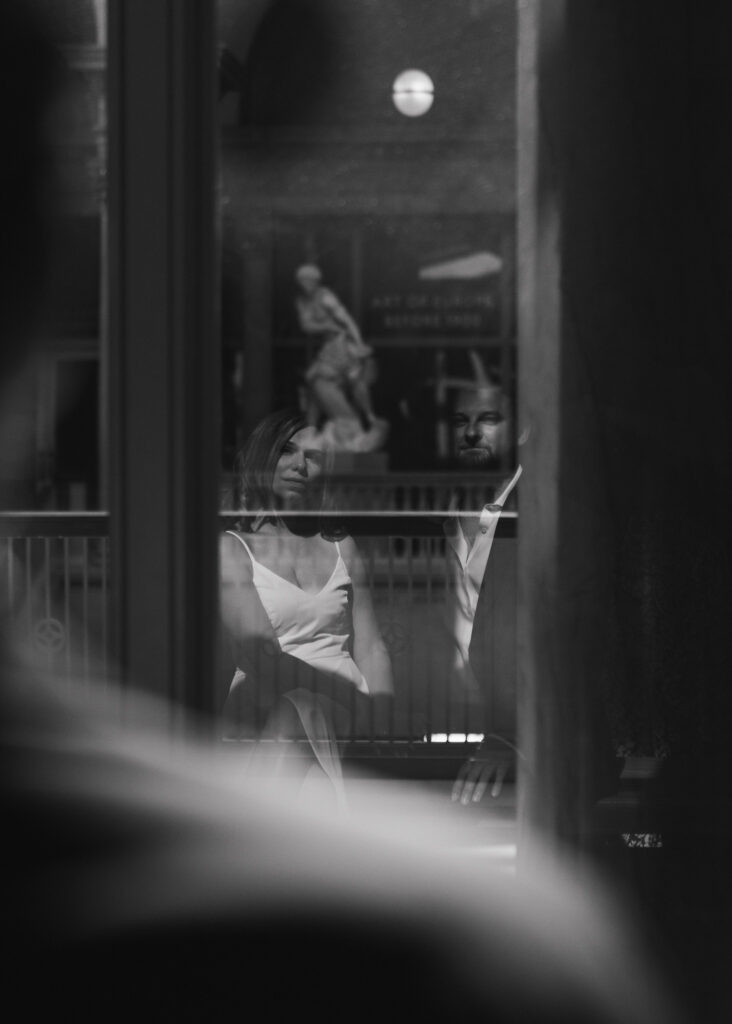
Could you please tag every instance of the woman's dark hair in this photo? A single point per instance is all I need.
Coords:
(255, 464)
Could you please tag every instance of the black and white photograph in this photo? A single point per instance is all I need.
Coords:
(365, 569)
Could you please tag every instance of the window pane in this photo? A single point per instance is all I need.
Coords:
(400, 204)
(409, 219)
(60, 398)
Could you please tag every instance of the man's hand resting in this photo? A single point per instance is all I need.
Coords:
(488, 766)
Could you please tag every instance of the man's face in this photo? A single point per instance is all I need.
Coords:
(481, 426)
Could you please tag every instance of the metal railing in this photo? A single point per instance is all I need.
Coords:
(54, 589)
(423, 492)
(55, 582)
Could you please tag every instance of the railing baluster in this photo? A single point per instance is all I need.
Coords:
(85, 604)
(67, 606)
(429, 682)
(29, 588)
(391, 602)
(448, 597)
(104, 552)
(410, 648)
(46, 578)
(9, 554)
(370, 551)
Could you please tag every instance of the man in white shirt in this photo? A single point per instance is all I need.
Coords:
(482, 426)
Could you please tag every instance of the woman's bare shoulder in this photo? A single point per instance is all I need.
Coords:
(233, 555)
(232, 538)
(350, 552)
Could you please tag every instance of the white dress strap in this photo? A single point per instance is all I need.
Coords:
(232, 533)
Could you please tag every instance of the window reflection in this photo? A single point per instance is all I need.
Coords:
(410, 220)
(409, 223)
(61, 399)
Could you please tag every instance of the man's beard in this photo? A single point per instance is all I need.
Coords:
(477, 458)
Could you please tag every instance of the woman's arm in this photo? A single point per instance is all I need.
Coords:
(342, 317)
(369, 649)
(248, 666)
(245, 623)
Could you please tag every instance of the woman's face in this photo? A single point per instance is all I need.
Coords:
(298, 467)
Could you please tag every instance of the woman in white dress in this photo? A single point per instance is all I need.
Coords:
(302, 641)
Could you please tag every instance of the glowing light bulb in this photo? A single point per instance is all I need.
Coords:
(413, 92)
